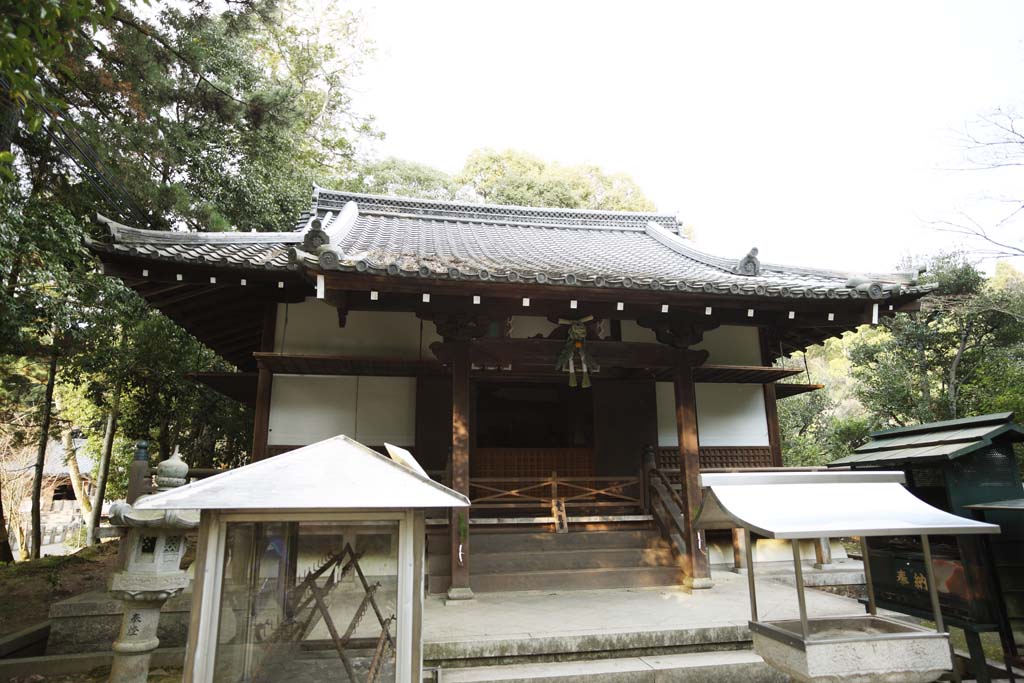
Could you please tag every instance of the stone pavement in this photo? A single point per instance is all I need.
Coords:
(543, 614)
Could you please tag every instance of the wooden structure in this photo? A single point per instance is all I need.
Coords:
(453, 319)
(959, 466)
(862, 648)
(321, 548)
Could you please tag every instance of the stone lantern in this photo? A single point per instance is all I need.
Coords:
(151, 574)
(310, 566)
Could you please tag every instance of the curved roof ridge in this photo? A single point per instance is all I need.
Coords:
(324, 198)
(124, 234)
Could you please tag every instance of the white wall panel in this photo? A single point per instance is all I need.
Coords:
(305, 409)
(731, 415)
(732, 345)
(386, 411)
(311, 327)
(727, 415)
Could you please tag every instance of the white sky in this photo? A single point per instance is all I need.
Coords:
(821, 133)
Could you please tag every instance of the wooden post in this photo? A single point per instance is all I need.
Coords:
(823, 553)
(459, 518)
(695, 563)
(264, 386)
(771, 411)
(648, 464)
(771, 408)
(739, 552)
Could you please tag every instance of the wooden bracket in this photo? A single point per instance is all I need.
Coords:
(679, 333)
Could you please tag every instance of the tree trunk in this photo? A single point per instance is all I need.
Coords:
(6, 554)
(926, 391)
(75, 475)
(104, 469)
(8, 120)
(22, 550)
(37, 481)
(954, 367)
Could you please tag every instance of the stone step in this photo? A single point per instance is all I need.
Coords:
(554, 559)
(493, 650)
(565, 579)
(740, 666)
(514, 541)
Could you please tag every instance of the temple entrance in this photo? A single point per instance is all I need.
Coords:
(531, 430)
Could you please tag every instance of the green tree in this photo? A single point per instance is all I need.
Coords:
(935, 364)
(37, 38)
(513, 177)
(399, 177)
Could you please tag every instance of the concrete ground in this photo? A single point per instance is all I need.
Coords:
(545, 614)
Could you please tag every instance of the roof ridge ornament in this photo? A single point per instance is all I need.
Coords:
(330, 230)
(749, 265)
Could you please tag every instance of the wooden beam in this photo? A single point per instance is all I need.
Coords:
(362, 282)
(542, 354)
(787, 389)
(695, 562)
(123, 266)
(264, 387)
(279, 363)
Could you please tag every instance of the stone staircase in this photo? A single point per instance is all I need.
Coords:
(517, 560)
(692, 655)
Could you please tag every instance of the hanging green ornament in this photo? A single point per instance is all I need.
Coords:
(576, 348)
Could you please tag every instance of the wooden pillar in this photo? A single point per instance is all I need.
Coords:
(823, 553)
(739, 551)
(771, 408)
(459, 518)
(695, 563)
(771, 412)
(264, 386)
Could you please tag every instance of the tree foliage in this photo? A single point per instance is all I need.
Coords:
(508, 177)
(513, 177)
(961, 354)
(182, 115)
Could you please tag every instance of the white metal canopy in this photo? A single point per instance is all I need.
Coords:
(794, 505)
(336, 473)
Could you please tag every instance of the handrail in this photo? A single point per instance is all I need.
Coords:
(664, 502)
(540, 492)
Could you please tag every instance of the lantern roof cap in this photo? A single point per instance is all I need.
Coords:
(338, 473)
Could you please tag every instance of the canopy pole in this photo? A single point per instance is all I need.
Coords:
(933, 590)
(749, 550)
(872, 608)
(933, 593)
(800, 588)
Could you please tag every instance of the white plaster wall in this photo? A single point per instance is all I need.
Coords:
(727, 415)
(731, 345)
(528, 326)
(311, 327)
(305, 409)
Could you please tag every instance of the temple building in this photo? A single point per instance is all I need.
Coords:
(570, 371)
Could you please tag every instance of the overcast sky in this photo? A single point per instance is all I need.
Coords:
(820, 132)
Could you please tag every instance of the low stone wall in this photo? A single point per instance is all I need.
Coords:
(90, 622)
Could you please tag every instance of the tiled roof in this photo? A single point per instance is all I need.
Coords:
(404, 237)
(949, 439)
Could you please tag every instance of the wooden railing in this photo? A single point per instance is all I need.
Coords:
(539, 493)
(666, 506)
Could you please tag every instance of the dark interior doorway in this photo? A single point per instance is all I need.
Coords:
(533, 415)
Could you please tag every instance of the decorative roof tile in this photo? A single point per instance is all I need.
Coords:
(402, 237)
